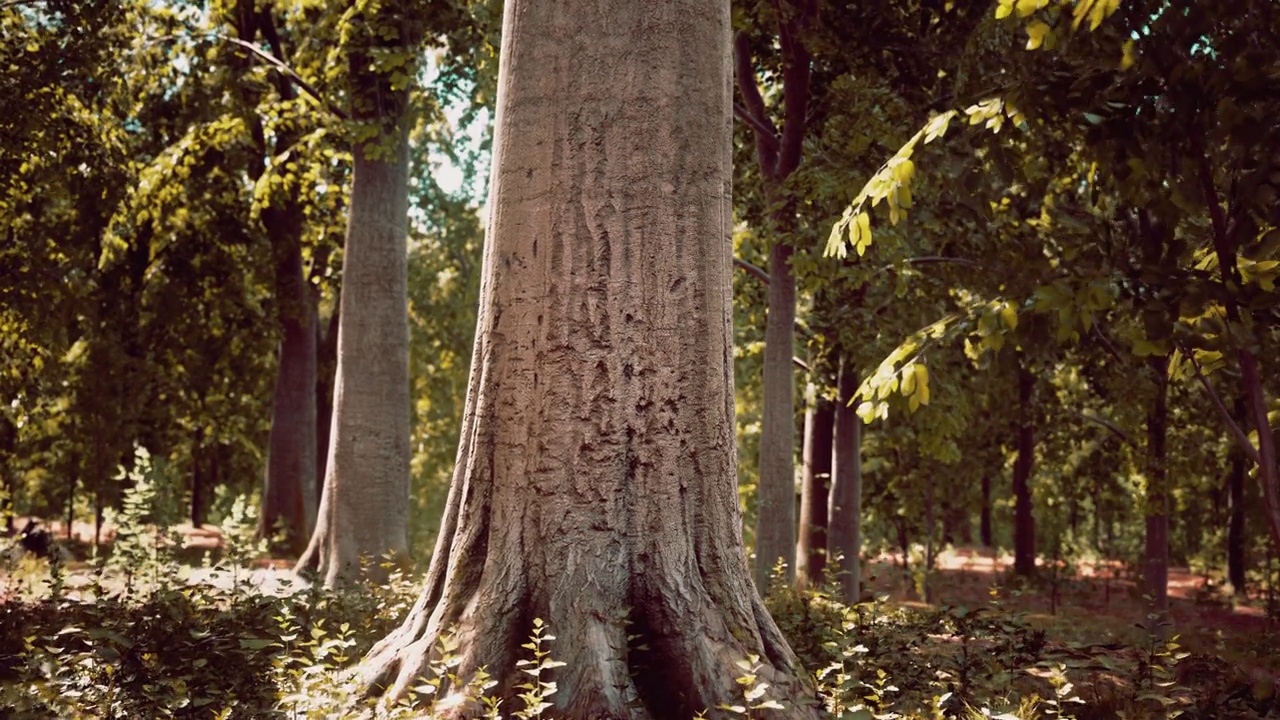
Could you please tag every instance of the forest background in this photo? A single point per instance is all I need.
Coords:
(1061, 341)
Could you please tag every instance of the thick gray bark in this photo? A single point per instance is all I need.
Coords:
(364, 509)
(844, 529)
(595, 484)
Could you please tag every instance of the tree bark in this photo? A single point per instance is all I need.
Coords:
(776, 508)
(326, 371)
(811, 549)
(1236, 538)
(778, 154)
(1156, 555)
(984, 521)
(364, 510)
(198, 480)
(1024, 528)
(595, 484)
(288, 498)
(844, 528)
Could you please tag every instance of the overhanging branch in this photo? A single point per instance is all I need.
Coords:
(288, 72)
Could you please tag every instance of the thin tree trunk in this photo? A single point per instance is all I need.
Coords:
(198, 480)
(844, 529)
(776, 513)
(1156, 556)
(364, 510)
(1236, 538)
(326, 370)
(1024, 528)
(984, 520)
(595, 485)
(778, 154)
(811, 549)
(1268, 471)
(289, 500)
(1225, 243)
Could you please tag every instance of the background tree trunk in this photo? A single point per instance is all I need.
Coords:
(364, 511)
(776, 509)
(326, 372)
(811, 549)
(844, 529)
(778, 154)
(1024, 527)
(1156, 554)
(1236, 538)
(595, 486)
(289, 499)
(984, 521)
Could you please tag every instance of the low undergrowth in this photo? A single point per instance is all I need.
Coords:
(95, 647)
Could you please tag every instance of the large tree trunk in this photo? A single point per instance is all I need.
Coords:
(844, 528)
(364, 509)
(1156, 555)
(595, 484)
(776, 509)
(811, 549)
(289, 498)
(1024, 527)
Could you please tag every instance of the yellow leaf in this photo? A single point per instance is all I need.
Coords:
(1009, 316)
(867, 411)
(904, 170)
(1127, 55)
(864, 232)
(908, 380)
(922, 376)
(1004, 9)
(1037, 31)
(1026, 7)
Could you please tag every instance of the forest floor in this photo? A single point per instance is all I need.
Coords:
(1096, 603)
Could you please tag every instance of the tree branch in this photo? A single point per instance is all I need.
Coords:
(1106, 342)
(1108, 425)
(764, 133)
(745, 73)
(288, 72)
(930, 260)
(1241, 438)
(796, 73)
(753, 270)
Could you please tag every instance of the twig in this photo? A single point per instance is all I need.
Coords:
(929, 260)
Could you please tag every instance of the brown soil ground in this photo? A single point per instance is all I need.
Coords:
(1097, 604)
